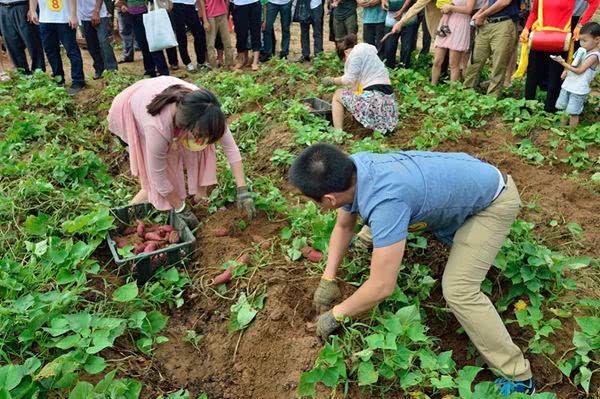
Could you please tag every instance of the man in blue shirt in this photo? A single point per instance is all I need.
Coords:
(496, 38)
(465, 202)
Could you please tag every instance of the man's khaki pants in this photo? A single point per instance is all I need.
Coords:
(476, 244)
(219, 25)
(498, 40)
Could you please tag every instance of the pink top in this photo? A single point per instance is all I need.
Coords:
(153, 158)
(215, 8)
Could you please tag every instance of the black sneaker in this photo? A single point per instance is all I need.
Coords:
(75, 88)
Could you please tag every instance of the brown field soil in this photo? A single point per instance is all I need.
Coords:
(266, 361)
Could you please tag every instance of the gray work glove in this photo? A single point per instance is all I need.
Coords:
(187, 215)
(326, 295)
(326, 325)
(327, 81)
(245, 201)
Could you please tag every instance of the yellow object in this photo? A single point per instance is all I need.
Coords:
(538, 26)
(359, 90)
(55, 5)
(441, 3)
(520, 305)
(190, 144)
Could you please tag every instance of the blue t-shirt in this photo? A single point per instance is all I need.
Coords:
(511, 10)
(407, 191)
(373, 15)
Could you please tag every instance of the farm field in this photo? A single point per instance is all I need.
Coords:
(74, 325)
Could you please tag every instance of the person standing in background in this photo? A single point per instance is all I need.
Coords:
(284, 9)
(214, 14)
(19, 35)
(97, 31)
(373, 21)
(407, 35)
(246, 21)
(153, 61)
(495, 38)
(316, 20)
(128, 41)
(58, 23)
(426, 39)
(187, 18)
(344, 18)
(580, 7)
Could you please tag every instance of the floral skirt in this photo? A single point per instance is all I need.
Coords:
(373, 109)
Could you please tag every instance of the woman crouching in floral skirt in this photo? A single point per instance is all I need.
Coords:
(371, 99)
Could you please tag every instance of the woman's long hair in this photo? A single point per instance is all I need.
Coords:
(198, 111)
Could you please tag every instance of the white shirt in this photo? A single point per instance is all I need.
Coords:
(243, 2)
(54, 11)
(187, 2)
(85, 8)
(363, 67)
(280, 2)
(315, 3)
(580, 84)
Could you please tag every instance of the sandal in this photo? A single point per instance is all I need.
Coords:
(255, 67)
(440, 33)
(445, 29)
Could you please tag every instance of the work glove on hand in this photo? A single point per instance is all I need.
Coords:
(326, 295)
(327, 81)
(245, 202)
(326, 325)
(187, 215)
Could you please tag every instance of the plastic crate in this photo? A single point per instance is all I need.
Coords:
(318, 107)
(144, 265)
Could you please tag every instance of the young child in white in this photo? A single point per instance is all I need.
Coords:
(579, 76)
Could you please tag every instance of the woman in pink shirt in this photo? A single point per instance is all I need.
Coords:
(169, 125)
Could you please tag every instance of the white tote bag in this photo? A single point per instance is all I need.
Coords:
(159, 31)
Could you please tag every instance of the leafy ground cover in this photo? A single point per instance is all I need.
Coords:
(74, 326)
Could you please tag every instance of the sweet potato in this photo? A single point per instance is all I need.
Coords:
(153, 237)
(139, 229)
(261, 241)
(223, 277)
(122, 242)
(129, 230)
(221, 232)
(150, 247)
(166, 228)
(243, 259)
(173, 237)
(139, 248)
(311, 254)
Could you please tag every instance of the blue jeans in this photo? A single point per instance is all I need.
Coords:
(20, 35)
(52, 37)
(153, 61)
(98, 40)
(285, 11)
(126, 33)
(316, 20)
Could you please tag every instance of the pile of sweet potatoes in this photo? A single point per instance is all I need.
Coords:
(147, 238)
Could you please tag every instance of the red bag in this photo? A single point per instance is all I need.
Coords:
(550, 41)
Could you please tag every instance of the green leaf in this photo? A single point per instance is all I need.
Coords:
(586, 376)
(126, 293)
(94, 365)
(68, 342)
(83, 390)
(589, 325)
(10, 376)
(444, 382)
(579, 262)
(465, 378)
(367, 374)
(37, 225)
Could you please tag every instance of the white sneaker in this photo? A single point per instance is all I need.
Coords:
(191, 67)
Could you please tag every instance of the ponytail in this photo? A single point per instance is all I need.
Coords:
(170, 95)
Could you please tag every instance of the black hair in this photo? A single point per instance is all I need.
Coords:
(346, 42)
(321, 169)
(198, 111)
(591, 28)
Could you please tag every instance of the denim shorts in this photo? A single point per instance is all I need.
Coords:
(571, 103)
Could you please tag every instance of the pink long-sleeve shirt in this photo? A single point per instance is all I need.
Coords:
(153, 157)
